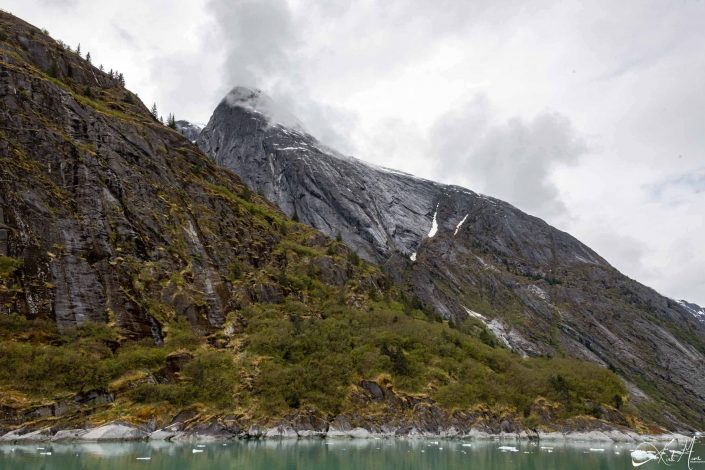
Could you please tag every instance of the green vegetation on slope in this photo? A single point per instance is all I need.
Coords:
(285, 358)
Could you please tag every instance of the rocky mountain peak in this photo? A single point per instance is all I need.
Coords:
(189, 129)
(255, 101)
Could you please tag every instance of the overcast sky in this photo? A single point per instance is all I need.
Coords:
(590, 115)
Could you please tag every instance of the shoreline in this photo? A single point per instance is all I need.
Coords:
(120, 432)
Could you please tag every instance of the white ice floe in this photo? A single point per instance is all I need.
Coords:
(596, 450)
(45, 453)
(467, 445)
(641, 456)
(460, 224)
(144, 458)
(196, 451)
(434, 224)
(508, 449)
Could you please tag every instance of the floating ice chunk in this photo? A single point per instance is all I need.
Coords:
(642, 456)
(434, 224)
(144, 458)
(467, 445)
(596, 449)
(460, 224)
(196, 451)
(508, 449)
(45, 453)
(200, 445)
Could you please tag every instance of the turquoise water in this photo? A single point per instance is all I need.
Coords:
(320, 454)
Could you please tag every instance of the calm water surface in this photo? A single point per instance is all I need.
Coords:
(320, 454)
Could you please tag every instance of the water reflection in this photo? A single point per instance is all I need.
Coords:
(317, 454)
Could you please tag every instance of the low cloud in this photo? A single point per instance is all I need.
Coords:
(258, 37)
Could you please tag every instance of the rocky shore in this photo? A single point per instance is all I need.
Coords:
(120, 431)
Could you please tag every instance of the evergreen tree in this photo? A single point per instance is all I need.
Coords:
(121, 79)
(88, 57)
(171, 121)
(78, 49)
(101, 68)
(154, 111)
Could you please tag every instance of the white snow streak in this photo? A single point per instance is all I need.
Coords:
(434, 224)
(460, 224)
(413, 256)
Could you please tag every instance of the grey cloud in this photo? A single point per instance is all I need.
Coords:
(258, 35)
(261, 43)
(58, 3)
(124, 34)
(512, 160)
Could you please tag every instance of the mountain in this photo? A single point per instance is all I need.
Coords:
(697, 311)
(189, 129)
(467, 256)
(142, 283)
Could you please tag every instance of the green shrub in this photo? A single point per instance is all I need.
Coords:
(8, 266)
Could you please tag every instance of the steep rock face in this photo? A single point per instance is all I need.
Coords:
(471, 257)
(106, 215)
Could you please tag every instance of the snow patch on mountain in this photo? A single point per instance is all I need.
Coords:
(460, 224)
(434, 224)
(697, 311)
(474, 314)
